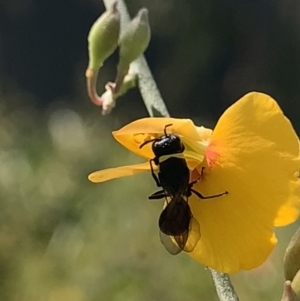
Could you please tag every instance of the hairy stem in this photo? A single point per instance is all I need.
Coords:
(224, 287)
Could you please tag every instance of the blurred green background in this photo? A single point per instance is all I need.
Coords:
(64, 238)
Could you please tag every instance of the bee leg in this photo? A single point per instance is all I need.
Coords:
(154, 176)
(157, 195)
(199, 195)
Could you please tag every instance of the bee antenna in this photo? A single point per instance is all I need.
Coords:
(146, 142)
(165, 129)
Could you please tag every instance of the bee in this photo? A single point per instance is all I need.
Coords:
(176, 219)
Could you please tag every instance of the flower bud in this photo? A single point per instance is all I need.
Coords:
(135, 38)
(103, 37)
(292, 257)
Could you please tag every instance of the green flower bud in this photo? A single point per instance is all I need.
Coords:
(103, 37)
(291, 261)
(135, 38)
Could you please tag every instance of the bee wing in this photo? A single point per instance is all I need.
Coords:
(194, 235)
(168, 243)
(186, 241)
(182, 239)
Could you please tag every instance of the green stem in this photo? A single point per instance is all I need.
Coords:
(91, 82)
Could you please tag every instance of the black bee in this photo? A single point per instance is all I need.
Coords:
(176, 219)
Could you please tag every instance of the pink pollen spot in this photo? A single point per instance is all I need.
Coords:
(211, 155)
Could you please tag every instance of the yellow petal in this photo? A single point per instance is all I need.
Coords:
(204, 133)
(134, 134)
(254, 155)
(118, 172)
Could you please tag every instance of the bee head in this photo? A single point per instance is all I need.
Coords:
(167, 145)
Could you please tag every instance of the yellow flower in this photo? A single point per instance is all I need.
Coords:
(253, 153)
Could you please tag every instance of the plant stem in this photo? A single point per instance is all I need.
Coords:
(224, 287)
